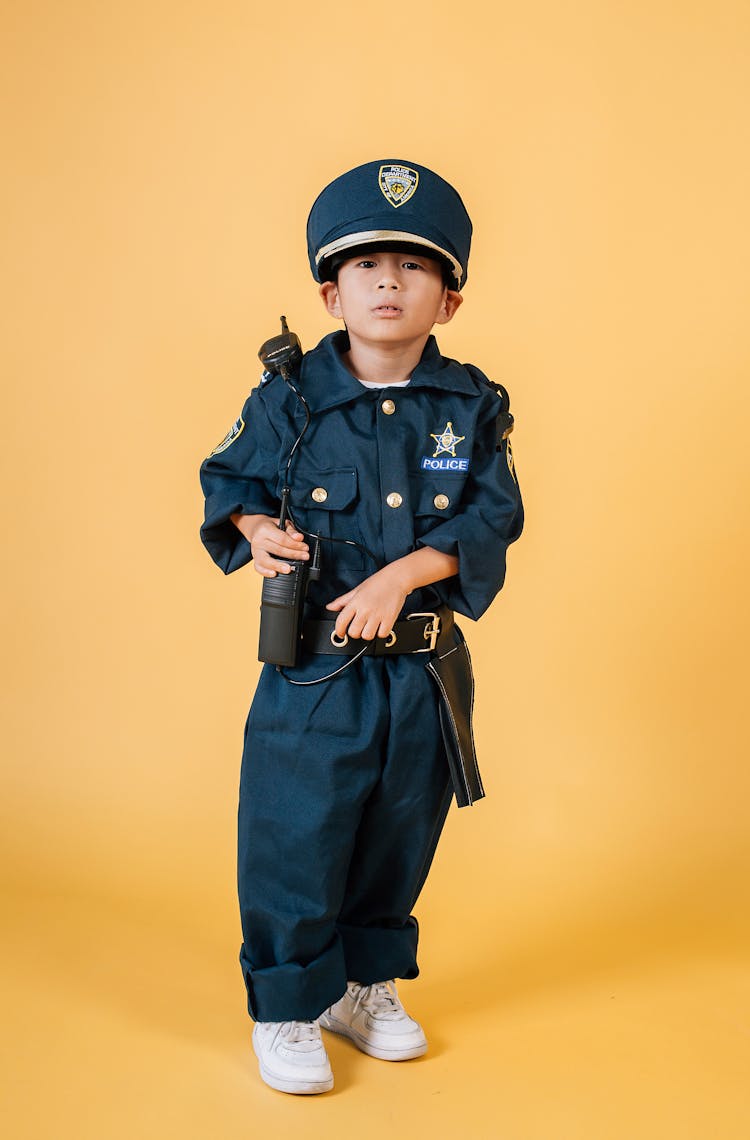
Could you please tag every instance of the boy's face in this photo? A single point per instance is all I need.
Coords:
(385, 297)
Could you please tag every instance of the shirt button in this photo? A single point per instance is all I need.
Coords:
(394, 499)
(388, 407)
(441, 502)
(320, 494)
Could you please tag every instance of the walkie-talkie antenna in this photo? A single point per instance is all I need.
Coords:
(283, 364)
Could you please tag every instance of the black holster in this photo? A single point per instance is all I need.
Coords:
(450, 667)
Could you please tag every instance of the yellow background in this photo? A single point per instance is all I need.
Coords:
(585, 929)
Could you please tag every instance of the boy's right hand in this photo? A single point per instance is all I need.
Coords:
(269, 543)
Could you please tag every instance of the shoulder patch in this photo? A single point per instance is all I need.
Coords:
(509, 457)
(234, 433)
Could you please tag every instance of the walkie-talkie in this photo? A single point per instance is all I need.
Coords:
(283, 597)
(281, 353)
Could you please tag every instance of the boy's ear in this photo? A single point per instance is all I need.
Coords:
(330, 294)
(449, 307)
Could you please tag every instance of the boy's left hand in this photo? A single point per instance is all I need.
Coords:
(370, 609)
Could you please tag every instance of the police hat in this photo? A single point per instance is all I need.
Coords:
(394, 204)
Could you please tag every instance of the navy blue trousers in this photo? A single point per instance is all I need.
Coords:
(343, 794)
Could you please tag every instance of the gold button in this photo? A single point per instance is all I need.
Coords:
(394, 499)
(441, 502)
(320, 494)
(388, 407)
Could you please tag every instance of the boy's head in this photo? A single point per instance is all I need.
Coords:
(391, 205)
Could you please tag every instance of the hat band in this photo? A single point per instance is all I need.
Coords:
(366, 236)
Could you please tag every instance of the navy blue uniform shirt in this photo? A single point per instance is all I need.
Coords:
(391, 468)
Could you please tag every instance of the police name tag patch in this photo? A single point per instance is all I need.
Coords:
(444, 457)
(430, 463)
(398, 183)
(234, 433)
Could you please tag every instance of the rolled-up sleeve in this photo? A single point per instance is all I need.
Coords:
(239, 477)
(488, 519)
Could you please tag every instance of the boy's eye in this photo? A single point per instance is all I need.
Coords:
(412, 265)
(366, 263)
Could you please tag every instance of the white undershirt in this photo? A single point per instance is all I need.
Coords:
(393, 383)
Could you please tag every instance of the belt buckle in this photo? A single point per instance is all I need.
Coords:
(431, 632)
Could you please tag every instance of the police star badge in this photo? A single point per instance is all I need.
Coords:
(446, 441)
(398, 183)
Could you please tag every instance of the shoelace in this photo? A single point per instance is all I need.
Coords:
(379, 999)
(300, 1032)
(301, 1036)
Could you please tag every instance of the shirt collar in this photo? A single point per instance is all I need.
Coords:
(326, 381)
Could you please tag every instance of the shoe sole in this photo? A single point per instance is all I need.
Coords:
(343, 1030)
(299, 1088)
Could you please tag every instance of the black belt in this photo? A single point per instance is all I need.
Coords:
(417, 633)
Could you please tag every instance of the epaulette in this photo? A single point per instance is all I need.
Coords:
(504, 422)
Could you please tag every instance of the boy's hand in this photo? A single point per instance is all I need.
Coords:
(269, 543)
(370, 609)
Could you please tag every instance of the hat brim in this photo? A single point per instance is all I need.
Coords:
(331, 253)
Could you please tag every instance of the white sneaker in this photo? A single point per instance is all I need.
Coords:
(292, 1056)
(375, 1020)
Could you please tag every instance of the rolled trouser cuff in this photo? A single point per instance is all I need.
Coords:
(293, 992)
(378, 953)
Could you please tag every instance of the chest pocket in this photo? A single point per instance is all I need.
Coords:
(435, 498)
(325, 500)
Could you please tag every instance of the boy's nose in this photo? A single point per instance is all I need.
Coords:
(388, 281)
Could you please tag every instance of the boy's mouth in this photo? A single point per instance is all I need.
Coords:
(387, 310)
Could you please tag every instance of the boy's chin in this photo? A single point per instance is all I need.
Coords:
(389, 332)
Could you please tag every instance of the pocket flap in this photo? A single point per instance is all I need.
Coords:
(438, 495)
(330, 490)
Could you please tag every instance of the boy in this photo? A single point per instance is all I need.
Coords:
(406, 475)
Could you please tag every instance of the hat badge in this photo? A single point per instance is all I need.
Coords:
(397, 183)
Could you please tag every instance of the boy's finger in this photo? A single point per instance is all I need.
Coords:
(263, 567)
(269, 567)
(273, 533)
(286, 539)
(299, 555)
(286, 550)
(339, 602)
(342, 622)
(357, 621)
